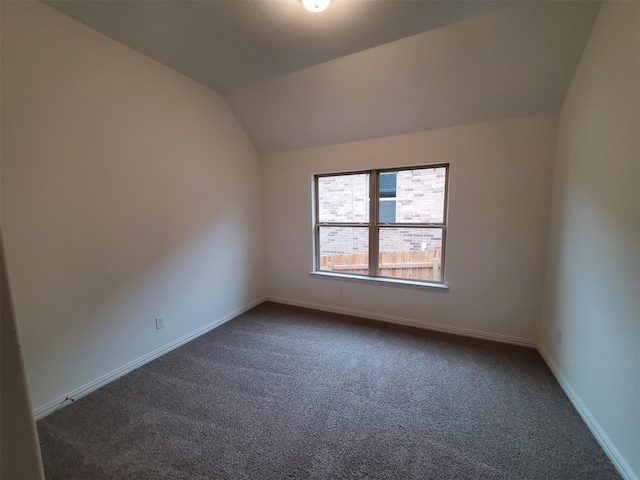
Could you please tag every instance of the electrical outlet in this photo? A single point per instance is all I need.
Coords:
(159, 323)
(340, 291)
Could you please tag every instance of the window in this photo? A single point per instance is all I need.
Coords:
(388, 182)
(385, 224)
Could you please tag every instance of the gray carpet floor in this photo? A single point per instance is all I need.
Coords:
(284, 392)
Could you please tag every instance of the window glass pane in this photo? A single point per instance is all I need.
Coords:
(387, 204)
(343, 198)
(411, 253)
(387, 210)
(344, 249)
(420, 195)
(388, 182)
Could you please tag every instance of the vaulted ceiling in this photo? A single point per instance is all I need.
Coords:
(363, 68)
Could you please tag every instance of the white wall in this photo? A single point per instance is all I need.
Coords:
(128, 192)
(500, 188)
(592, 292)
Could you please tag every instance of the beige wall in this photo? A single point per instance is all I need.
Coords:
(591, 317)
(128, 192)
(19, 447)
(500, 186)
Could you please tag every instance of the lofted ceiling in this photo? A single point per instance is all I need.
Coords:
(228, 44)
(363, 68)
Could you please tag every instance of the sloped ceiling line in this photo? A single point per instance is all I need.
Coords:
(360, 69)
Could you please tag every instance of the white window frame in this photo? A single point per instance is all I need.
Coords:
(374, 227)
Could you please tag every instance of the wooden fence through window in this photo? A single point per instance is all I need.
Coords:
(416, 265)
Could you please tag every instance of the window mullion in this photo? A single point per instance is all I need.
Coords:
(342, 224)
(316, 227)
(412, 225)
(373, 223)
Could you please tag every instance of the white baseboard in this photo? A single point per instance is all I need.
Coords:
(612, 452)
(60, 402)
(408, 322)
(603, 439)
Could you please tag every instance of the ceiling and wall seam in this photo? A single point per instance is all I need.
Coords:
(440, 64)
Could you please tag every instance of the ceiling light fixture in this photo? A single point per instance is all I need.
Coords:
(316, 5)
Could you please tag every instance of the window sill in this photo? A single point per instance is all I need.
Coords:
(383, 281)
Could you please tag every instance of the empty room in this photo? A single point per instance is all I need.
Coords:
(330, 239)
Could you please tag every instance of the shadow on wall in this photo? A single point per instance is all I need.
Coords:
(20, 451)
(103, 314)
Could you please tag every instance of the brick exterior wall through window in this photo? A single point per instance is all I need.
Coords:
(419, 198)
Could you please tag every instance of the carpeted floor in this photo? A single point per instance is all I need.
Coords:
(284, 392)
